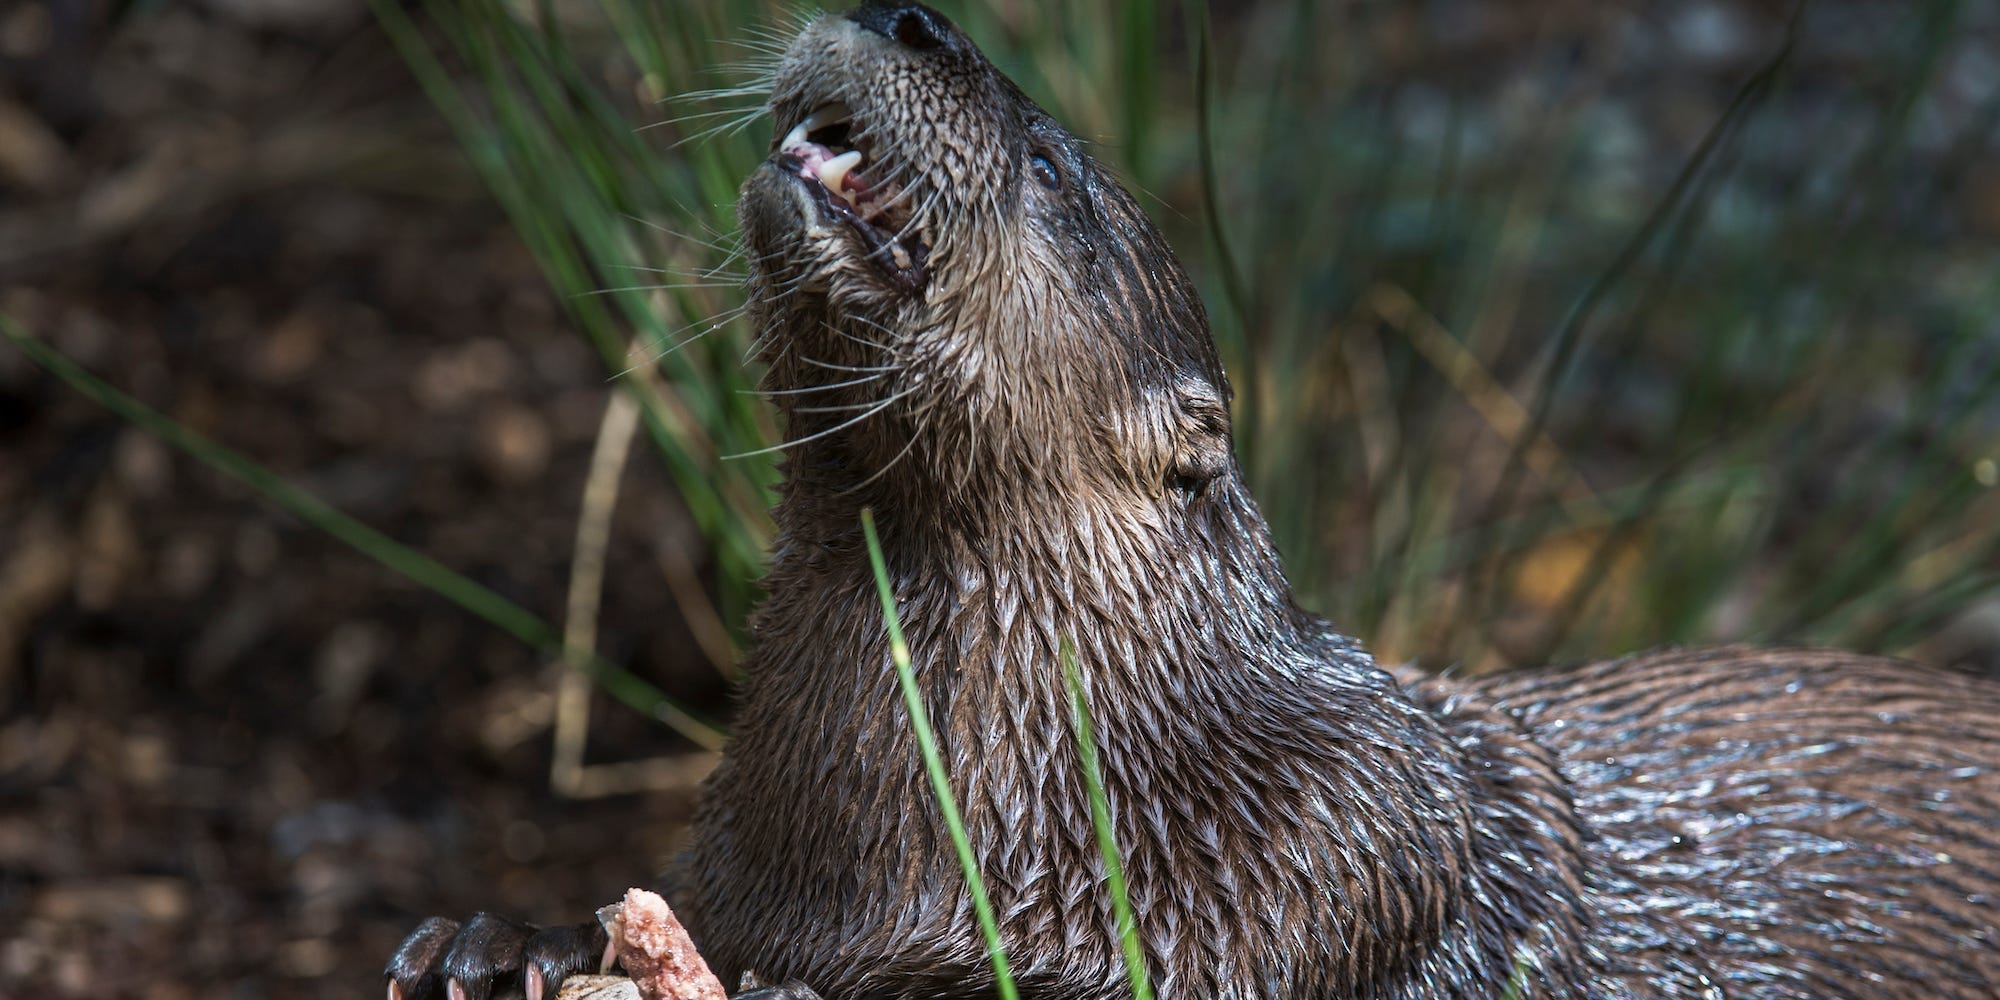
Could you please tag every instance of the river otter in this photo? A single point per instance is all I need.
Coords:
(972, 329)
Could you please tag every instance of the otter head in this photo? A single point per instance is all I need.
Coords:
(954, 299)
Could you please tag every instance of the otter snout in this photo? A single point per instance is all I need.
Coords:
(914, 25)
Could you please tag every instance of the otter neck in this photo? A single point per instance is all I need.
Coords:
(1140, 580)
(1207, 687)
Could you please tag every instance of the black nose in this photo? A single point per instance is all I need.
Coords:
(912, 24)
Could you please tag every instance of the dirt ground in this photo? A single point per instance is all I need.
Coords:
(236, 758)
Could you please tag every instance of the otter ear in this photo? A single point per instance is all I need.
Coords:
(1201, 441)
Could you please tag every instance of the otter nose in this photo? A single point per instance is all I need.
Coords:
(912, 24)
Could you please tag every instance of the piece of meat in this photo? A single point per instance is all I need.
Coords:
(656, 951)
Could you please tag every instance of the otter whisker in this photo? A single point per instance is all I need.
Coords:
(735, 279)
(759, 67)
(715, 323)
(914, 224)
(807, 390)
(763, 341)
(782, 34)
(921, 415)
(724, 128)
(830, 366)
(816, 435)
(898, 169)
(863, 341)
(796, 17)
(757, 89)
(722, 266)
(865, 321)
(662, 287)
(757, 346)
(791, 284)
(698, 115)
(733, 248)
(757, 43)
(849, 407)
(787, 27)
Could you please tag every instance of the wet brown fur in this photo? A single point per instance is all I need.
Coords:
(1042, 431)
(1055, 466)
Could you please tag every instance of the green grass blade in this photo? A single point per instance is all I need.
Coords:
(920, 721)
(1570, 336)
(1107, 837)
(573, 176)
(1517, 981)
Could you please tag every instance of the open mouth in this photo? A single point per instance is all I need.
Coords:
(830, 154)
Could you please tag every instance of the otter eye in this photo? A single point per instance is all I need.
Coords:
(1045, 171)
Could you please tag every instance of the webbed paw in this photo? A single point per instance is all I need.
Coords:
(490, 955)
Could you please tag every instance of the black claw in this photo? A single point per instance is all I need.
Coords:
(486, 951)
(446, 960)
(561, 952)
(414, 969)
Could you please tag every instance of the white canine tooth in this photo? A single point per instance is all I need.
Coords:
(833, 171)
(796, 137)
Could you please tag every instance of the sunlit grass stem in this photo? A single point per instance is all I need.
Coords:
(1107, 834)
(920, 723)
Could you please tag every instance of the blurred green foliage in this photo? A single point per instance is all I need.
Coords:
(1556, 329)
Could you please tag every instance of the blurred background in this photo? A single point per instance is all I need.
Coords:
(1558, 329)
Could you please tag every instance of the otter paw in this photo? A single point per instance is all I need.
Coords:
(490, 956)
